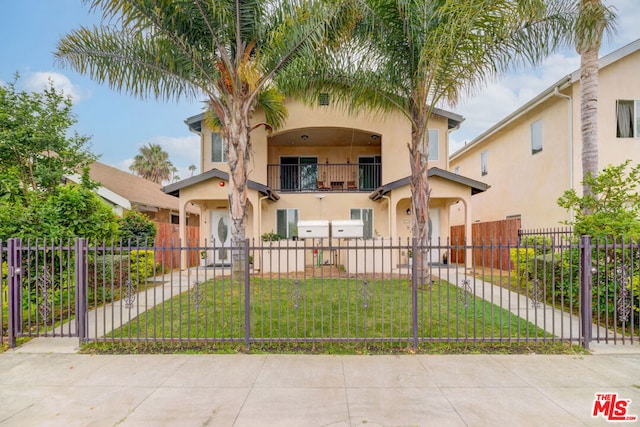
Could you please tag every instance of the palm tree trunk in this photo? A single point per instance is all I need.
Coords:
(239, 155)
(420, 193)
(589, 114)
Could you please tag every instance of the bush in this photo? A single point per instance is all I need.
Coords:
(5, 285)
(556, 273)
(540, 244)
(137, 229)
(613, 208)
(141, 266)
(272, 237)
(108, 269)
(520, 258)
(68, 213)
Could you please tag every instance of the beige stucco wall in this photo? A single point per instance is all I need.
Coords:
(393, 128)
(332, 206)
(530, 184)
(210, 195)
(395, 134)
(620, 80)
(522, 183)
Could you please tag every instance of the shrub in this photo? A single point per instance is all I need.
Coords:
(520, 259)
(613, 208)
(107, 270)
(141, 265)
(5, 285)
(540, 244)
(135, 228)
(272, 237)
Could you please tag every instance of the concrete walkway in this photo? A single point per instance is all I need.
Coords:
(106, 318)
(555, 321)
(559, 323)
(56, 389)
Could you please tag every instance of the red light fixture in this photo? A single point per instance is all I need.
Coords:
(221, 183)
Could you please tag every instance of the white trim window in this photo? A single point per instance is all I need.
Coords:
(366, 215)
(287, 222)
(434, 144)
(484, 163)
(628, 118)
(536, 137)
(218, 148)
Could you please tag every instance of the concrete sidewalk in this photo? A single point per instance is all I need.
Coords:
(304, 390)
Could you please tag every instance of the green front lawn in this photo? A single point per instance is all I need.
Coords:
(325, 309)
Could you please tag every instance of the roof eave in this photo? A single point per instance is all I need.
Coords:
(475, 186)
(174, 189)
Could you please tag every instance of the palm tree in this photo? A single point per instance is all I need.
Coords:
(192, 169)
(593, 19)
(228, 51)
(153, 164)
(412, 56)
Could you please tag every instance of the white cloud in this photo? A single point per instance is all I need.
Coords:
(123, 165)
(499, 99)
(183, 150)
(39, 80)
(628, 14)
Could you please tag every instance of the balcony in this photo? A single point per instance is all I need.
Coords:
(312, 177)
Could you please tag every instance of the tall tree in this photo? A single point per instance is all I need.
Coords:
(153, 164)
(226, 50)
(593, 19)
(192, 169)
(36, 148)
(414, 55)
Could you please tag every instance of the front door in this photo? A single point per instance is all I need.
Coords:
(220, 238)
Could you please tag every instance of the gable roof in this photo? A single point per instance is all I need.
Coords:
(552, 90)
(174, 189)
(476, 186)
(127, 190)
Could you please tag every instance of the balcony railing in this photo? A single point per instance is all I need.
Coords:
(324, 177)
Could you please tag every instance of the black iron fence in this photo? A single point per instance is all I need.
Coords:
(321, 290)
(324, 177)
(554, 235)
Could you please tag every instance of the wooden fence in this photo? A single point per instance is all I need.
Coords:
(168, 244)
(493, 233)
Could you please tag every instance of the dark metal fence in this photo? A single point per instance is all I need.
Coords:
(555, 235)
(332, 177)
(322, 290)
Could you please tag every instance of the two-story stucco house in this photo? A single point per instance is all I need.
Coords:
(532, 156)
(327, 165)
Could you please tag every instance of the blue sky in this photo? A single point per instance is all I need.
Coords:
(120, 124)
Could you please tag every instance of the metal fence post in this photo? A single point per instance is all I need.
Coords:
(81, 288)
(14, 309)
(414, 289)
(586, 305)
(247, 293)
